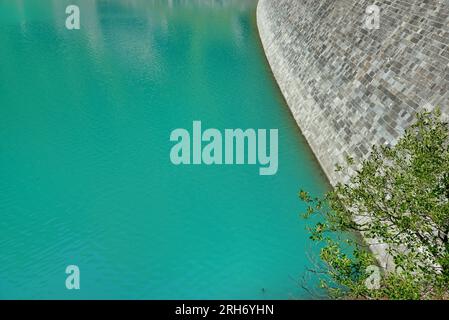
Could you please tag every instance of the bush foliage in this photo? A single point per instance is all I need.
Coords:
(399, 197)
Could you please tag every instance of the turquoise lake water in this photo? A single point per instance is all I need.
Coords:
(85, 171)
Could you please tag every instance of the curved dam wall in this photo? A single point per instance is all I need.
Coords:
(349, 87)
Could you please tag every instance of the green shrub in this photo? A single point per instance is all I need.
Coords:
(400, 197)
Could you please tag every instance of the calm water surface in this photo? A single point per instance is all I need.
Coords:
(85, 173)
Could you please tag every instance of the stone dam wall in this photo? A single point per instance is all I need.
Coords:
(349, 87)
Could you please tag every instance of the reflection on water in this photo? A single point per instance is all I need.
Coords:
(85, 174)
